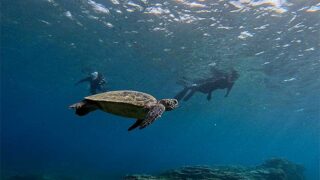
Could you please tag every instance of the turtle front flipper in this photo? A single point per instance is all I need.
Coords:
(136, 124)
(154, 113)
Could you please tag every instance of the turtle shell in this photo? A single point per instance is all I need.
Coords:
(123, 103)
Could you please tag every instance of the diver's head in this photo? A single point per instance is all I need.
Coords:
(94, 75)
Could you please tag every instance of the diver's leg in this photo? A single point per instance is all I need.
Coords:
(189, 95)
(181, 94)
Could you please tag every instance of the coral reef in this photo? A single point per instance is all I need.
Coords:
(272, 169)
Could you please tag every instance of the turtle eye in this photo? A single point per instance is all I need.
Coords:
(175, 101)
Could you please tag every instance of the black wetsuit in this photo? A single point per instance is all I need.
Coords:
(207, 87)
(96, 84)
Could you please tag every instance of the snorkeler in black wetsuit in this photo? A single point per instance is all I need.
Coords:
(96, 80)
(207, 86)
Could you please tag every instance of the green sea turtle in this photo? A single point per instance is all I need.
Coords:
(132, 104)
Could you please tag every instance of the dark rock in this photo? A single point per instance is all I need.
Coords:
(293, 171)
(140, 177)
(273, 169)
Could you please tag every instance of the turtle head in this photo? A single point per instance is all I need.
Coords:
(169, 104)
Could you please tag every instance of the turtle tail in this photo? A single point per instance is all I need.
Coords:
(84, 107)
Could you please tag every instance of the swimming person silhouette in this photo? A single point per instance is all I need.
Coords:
(207, 86)
(96, 80)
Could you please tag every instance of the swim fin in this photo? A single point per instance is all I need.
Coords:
(181, 94)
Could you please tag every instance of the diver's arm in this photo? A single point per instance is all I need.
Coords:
(228, 90)
(209, 96)
(83, 80)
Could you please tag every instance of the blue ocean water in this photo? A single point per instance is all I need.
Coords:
(148, 45)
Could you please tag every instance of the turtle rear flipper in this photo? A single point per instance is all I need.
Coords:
(136, 124)
(84, 107)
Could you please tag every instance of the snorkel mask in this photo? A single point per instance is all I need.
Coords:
(94, 75)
